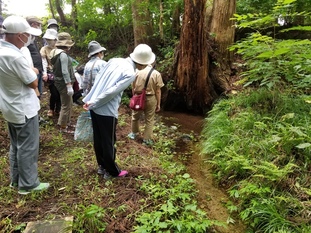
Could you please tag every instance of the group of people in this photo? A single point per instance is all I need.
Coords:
(101, 83)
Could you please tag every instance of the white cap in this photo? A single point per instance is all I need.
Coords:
(50, 34)
(17, 24)
(143, 55)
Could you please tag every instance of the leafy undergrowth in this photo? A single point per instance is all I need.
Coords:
(259, 143)
(157, 195)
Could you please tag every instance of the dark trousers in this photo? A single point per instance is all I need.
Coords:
(104, 132)
(55, 103)
(77, 95)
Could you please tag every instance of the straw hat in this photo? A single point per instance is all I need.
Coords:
(64, 39)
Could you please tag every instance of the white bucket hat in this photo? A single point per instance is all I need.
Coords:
(143, 55)
(17, 24)
(94, 47)
(50, 34)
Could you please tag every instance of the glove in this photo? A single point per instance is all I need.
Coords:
(69, 90)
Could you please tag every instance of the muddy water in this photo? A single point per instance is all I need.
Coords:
(211, 198)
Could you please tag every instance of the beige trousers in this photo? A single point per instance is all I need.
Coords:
(149, 113)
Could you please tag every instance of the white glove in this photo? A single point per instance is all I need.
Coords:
(69, 90)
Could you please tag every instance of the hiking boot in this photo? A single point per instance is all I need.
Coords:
(40, 187)
(107, 176)
(101, 170)
(13, 185)
(132, 136)
(148, 142)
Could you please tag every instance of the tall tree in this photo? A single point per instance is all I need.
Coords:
(142, 22)
(192, 68)
(222, 29)
(196, 76)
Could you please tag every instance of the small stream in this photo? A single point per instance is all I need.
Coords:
(211, 198)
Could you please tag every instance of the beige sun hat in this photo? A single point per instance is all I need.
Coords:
(33, 19)
(50, 34)
(64, 39)
(94, 47)
(143, 55)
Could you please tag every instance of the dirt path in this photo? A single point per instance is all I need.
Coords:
(211, 198)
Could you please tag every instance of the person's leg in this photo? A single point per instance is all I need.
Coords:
(53, 96)
(104, 144)
(149, 116)
(24, 153)
(65, 113)
(135, 121)
(98, 149)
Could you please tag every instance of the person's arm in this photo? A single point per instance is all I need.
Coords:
(111, 92)
(33, 84)
(158, 97)
(45, 65)
(66, 74)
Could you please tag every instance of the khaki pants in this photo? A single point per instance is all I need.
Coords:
(149, 113)
(66, 107)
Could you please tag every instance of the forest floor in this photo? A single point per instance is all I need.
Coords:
(53, 166)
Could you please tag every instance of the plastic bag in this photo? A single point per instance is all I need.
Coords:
(84, 128)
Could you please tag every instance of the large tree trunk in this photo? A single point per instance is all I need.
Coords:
(191, 72)
(222, 29)
(142, 23)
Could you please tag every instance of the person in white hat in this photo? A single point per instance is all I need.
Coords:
(50, 36)
(20, 105)
(152, 103)
(64, 79)
(103, 102)
(93, 66)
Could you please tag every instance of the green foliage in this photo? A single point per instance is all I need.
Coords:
(91, 218)
(259, 145)
(179, 213)
(271, 62)
(176, 209)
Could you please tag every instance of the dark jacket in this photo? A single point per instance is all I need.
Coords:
(36, 56)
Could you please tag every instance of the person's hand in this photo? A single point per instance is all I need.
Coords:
(69, 90)
(45, 77)
(158, 108)
(86, 106)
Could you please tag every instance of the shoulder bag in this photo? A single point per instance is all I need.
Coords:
(137, 102)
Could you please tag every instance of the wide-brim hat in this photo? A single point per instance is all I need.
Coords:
(52, 22)
(94, 47)
(33, 19)
(143, 55)
(17, 24)
(64, 39)
(50, 34)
